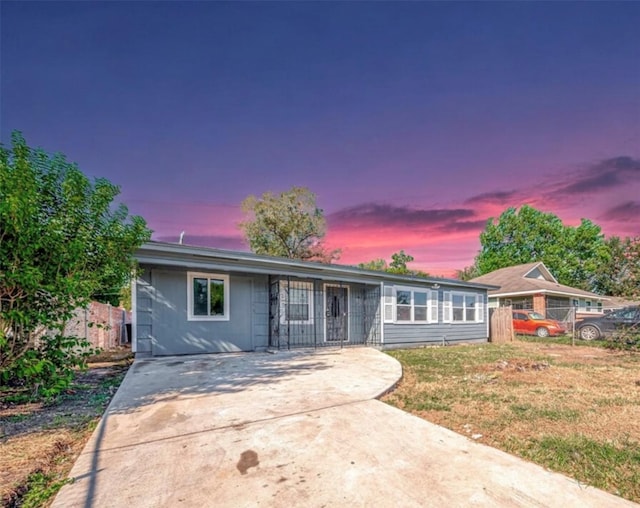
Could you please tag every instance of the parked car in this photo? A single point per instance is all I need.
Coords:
(593, 328)
(531, 323)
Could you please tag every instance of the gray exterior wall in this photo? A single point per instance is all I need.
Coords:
(440, 333)
(162, 326)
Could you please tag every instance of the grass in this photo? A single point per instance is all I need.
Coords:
(571, 409)
(563, 339)
(39, 441)
(627, 341)
(610, 466)
(40, 488)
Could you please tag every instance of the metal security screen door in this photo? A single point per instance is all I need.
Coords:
(337, 314)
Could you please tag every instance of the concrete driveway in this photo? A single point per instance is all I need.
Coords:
(292, 429)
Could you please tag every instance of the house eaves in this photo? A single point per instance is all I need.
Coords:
(545, 271)
(573, 294)
(515, 281)
(189, 256)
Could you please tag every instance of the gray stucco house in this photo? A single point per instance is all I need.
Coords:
(189, 300)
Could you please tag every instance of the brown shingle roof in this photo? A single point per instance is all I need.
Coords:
(513, 280)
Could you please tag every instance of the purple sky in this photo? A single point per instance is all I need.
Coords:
(412, 122)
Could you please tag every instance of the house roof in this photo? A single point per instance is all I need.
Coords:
(528, 279)
(189, 256)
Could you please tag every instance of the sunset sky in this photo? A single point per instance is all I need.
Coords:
(413, 122)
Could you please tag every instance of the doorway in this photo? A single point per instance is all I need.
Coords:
(336, 314)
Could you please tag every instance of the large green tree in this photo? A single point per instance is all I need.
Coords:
(573, 254)
(63, 242)
(288, 224)
(619, 273)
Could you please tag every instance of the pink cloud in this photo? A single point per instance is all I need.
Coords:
(442, 239)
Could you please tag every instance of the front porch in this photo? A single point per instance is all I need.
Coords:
(320, 313)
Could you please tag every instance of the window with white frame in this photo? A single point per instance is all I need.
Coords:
(207, 297)
(412, 305)
(584, 305)
(461, 307)
(296, 302)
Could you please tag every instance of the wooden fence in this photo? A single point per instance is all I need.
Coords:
(103, 325)
(501, 325)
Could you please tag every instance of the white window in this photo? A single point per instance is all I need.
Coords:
(296, 302)
(459, 307)
(388, 304)
(414, 305)
(207, 297)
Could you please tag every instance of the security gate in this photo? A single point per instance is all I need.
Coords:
(337, 314)
(315, 313)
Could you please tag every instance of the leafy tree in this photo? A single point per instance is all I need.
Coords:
(398, 265)
(62, 243)
(399, 262)
(573, 254)
(287, 225)
(467, 273)
(379, 265)
(619, 272)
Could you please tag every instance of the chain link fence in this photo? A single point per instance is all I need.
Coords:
(623, 334)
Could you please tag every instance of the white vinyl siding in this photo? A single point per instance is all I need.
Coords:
(460, 307)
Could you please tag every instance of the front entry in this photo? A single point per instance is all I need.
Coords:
(336, 314)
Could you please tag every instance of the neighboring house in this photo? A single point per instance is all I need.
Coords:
(200, 300)
(533, 287)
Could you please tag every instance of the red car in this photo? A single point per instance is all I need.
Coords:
(527, 322)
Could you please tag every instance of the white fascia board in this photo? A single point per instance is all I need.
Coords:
(381, 312)
(547, 292)
(207, 265)
(160, 254)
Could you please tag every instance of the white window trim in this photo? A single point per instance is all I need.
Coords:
(325, 311)
(226, 289)
(432, 296)
(382, 286)
(447, 307)
(392, 304)
(284, 299)
(134, 313)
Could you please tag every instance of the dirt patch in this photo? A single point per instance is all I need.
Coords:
(39, 441)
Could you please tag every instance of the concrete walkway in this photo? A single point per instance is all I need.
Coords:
(292, 429)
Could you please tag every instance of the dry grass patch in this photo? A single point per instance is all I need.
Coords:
(573, 409)
(39, 441)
